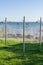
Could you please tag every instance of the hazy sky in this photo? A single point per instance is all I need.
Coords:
(16, 9)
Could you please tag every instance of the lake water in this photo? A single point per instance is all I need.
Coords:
(32, 28)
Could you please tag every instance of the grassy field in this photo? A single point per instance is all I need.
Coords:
(13, 53)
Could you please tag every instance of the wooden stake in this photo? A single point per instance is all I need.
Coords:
(5, 30)
(40, 33)
(23, 35)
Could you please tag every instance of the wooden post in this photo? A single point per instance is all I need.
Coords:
(5, 30)
(40, 33)
(23, 35)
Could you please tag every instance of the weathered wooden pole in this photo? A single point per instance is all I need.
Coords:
(5, 31)
(40, 33)
(23, 35)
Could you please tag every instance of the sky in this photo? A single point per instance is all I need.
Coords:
(14, 10)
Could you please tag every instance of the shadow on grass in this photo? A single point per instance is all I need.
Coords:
(33, 55)
(18, 48)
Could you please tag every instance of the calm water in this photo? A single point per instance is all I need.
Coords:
(17, 27)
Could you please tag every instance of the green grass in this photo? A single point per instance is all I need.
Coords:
(13, 53)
